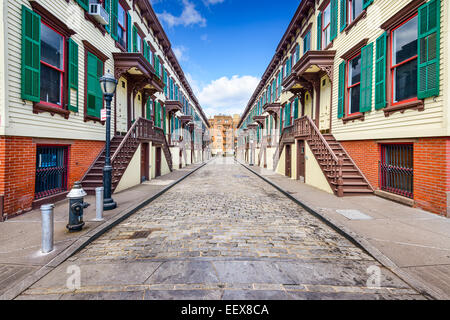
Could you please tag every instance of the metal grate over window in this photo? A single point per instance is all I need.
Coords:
(397, 169)
(51, 171)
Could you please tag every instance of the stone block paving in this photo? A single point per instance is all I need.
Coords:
(222, 234)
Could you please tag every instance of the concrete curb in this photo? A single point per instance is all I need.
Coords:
(361, 242)
(85, 240)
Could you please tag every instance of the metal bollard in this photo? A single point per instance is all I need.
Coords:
(47, 227)
(99, 194)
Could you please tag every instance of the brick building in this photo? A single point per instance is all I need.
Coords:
(51, 132)
(353, 101)
(223, 129)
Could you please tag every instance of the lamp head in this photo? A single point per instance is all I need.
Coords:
(108, 84)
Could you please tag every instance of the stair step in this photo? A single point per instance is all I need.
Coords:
(352, 184)
(357, 190)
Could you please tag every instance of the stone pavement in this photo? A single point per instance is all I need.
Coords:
(223, 233)
(414, 242)
(20, 237)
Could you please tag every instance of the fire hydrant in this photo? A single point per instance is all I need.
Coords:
(76, 207)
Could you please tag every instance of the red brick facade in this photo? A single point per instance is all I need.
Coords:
(431, 169)
(18, 166)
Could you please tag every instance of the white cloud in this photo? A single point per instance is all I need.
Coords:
(227, 96)
(208, 2)
(180, 53)
(189, 16)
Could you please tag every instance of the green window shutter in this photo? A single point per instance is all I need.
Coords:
(341, 96)
(146, 49)
(343, 15)
(429, 49)
(108, 9)
(84, 4)
(367, 3)
(129, 33)
(157, 68)
(114, 23)
(135, 47)
(72, 75)
(366, 78)
(297, 52)
(164, 119)
(31, 55)
(296, 108)
(334, 20)
(94, 92)
(380, 73)
(319, 31)
(165, 82)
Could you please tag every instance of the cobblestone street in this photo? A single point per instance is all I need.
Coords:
(223, 233)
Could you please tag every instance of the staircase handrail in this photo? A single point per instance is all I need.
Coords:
(315, 132)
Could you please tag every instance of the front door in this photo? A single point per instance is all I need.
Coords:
(288, 161)
(145, 176)
(158, 162)
(301, 165)
(122, 107)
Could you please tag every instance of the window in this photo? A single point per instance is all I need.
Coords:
(404, 61)
(326, 29)
(355, 7)
(354, 85)
(51, 171)
(397, 169)
(138, 43)
(122, 27)
(307, 42)
(52, 66)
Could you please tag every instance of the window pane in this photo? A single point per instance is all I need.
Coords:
(354, 99)
(139, 43)
(121, 37)
(52, 47)
(355, 71)
(356, 8)
(326, 16)
(50, 85)
(121, 16)
(326, 36)
(406, 81)
(405, 41)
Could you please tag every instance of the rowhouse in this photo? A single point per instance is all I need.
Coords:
(51, 133)
(353, 101)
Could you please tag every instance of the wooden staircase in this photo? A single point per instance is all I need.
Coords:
(161, 138)
(122, 151)
(343, 175)
(94, 176)
(354, 181)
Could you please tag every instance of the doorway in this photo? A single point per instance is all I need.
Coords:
(158, 162)
(145, 166)
(288, 172)
(301, 163)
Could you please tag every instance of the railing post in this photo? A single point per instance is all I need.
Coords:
(340, 180)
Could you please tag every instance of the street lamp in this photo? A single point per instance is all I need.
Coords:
(108, 84)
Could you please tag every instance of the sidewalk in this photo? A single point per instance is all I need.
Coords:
(411, 242)
(21, 260)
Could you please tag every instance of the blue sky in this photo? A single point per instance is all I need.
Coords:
(224, 46)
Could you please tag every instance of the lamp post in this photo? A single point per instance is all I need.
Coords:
(108, 84)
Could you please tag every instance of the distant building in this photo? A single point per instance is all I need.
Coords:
(223, 132)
